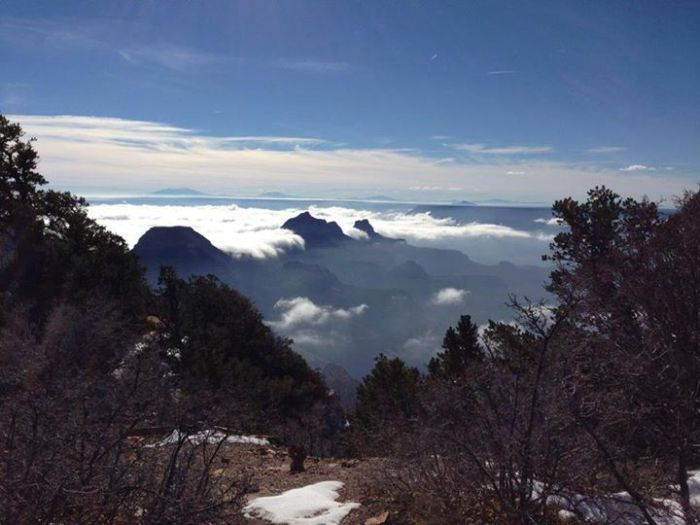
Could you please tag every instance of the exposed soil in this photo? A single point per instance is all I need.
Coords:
(269, 466)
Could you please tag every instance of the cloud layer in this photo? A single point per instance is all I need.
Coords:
(84, 153)
(257, 232)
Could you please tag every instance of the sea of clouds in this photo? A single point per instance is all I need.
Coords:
(257, 231)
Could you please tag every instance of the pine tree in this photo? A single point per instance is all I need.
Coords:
(461, 349)
(388, 393)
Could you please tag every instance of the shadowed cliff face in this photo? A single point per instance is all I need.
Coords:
(316, 232)
(181, 247)
(365, 226)
(343, 301)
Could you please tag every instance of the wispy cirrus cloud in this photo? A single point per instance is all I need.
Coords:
(176, 58)
(483, 149)
(30, 32)
(148, 135)
(500, 72)
(606, 149)
(127, 155)
(312, 66)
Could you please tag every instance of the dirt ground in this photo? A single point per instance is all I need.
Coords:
(269, 466)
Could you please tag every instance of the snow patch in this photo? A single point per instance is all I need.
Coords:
(619, 507)
(210, 437)
(310, 505)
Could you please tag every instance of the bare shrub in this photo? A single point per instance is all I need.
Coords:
(72, 401)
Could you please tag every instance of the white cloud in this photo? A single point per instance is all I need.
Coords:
(240, 231)
(549, 222)
(357, 234)
(504, 150)
(301, 311)
(257, 231)
(638, 167)
(423, 226)
(124, 155)
(314, 327)
(448, 297)
(606, 149)
(501, 72)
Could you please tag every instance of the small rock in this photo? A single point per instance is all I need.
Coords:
(378, 519)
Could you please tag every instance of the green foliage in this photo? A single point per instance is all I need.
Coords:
(18, 175)
(461, 349)
(50, 250)
(601, 234)
(389, 392)
(215, 339)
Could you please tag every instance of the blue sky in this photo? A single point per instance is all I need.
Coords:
(519, 99)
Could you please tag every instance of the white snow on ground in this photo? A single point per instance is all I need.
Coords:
(310, 505)
(209, 436)
(618, 508)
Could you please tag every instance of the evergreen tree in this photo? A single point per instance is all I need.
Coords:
(388, 393)
(461, 348)
(215, 339)
(50, 250)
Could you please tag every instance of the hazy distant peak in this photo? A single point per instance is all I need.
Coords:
(276, 195)
(378, 198)
(315, 232)
(177, 191)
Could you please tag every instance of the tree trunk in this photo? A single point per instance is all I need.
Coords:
(683, 490)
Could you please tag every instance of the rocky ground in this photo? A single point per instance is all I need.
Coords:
(269, 466)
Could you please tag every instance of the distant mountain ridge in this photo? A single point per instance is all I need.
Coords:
(170, 192)
(276, 195)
